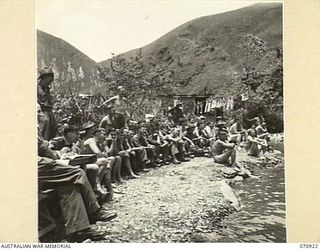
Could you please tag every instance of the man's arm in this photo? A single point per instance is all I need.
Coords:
(136, 142)
(45, 151)
(227, 145)
(94, 147)
(112, 99)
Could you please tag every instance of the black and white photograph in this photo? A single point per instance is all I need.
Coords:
(160, 121)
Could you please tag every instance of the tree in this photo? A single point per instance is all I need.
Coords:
(261, 77)
(142, 82)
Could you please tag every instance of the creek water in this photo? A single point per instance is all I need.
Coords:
(262, 217)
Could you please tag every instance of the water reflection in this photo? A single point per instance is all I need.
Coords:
(262, 218)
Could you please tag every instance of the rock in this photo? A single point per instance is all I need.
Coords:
(87, 241)
(228, 193)
(238, 178)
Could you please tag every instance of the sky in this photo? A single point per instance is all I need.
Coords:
(101, 27)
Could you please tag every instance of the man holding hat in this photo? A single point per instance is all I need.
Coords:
(48, 125)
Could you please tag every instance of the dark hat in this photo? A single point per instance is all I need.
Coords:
(45, 71)
(223, 131)
(88, 125)
(70, 128)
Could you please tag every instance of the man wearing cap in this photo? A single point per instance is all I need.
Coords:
(121, 113)
(48, 124)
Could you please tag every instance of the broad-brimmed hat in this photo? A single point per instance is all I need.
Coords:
(45, 71)
(88, 125)
(221, 122)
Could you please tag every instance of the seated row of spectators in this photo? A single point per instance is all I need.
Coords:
(124, 149)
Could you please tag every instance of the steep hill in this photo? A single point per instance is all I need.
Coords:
(202, 52)
(71, 66)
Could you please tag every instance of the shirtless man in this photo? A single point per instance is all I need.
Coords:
(237, 133)
(262, 132)
(255, 145)
(68, 145)
(224, 152)
(121, 114)
(94, 145)
(107, 121)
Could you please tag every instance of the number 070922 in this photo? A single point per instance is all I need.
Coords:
(308, 246)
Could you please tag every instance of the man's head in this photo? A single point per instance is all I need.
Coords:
(121, 90)
(239, 125)
(71, 133)
(251, 132)
(46, 77)
(100, 134)
(190, 128)
(113, 134)
(211, 124)
(223, 135)
(201, 125)
(126, 133)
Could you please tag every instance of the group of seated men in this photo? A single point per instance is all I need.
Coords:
(126, 153)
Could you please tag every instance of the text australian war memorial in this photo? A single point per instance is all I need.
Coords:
(177, 141)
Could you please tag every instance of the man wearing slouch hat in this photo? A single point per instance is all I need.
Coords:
(48, 124)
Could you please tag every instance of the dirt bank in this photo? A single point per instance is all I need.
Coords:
(175, 203)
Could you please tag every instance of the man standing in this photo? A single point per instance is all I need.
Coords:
(48, 124)
(177, 113)
(121, 113)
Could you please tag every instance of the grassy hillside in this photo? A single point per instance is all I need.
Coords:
(60, 54)
(202, 52)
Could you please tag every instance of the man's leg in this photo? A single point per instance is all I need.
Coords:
(88, 195)
(174, 153)
(127, 164)
(223, 158)
(254, 150)
(151, 156)
(73, 209)
(165, 153)
(134, 161)
(119, 160)
(233, 158)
